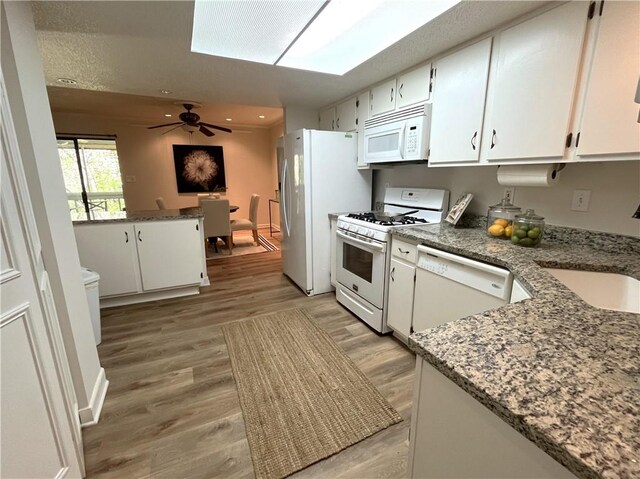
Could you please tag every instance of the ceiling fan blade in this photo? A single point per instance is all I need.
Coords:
(216, 127)
(160, 126)
(171, 129)
(206, 131)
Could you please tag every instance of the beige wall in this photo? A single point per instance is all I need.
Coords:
(615, 192)
(249, 157)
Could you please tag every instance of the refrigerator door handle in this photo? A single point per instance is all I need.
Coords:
(284, 196)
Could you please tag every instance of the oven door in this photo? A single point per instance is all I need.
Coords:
(360, 266)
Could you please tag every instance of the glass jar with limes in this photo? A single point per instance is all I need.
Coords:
(527, 229)
(500, 219)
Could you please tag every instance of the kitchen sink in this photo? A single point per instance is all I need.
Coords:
(602, 290)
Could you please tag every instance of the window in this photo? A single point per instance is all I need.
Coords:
(91, 177)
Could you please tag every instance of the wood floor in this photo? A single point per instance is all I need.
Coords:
(172, 409)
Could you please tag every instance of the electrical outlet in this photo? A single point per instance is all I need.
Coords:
(509, 193)
(580, 200)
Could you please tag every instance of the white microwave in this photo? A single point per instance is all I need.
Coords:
(398, 136)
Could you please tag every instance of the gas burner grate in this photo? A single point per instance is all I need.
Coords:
(370, 218)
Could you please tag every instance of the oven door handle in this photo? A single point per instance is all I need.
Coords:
(379, 248)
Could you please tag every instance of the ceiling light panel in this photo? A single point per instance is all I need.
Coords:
(347, 33)
(253, 30)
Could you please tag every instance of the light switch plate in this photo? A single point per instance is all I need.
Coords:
(580, 200)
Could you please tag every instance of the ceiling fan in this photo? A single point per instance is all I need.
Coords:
(191, 122)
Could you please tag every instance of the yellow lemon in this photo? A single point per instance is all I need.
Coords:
(508, 230)
(501, 221)
(496, 230)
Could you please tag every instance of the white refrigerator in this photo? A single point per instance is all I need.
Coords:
(319, 175)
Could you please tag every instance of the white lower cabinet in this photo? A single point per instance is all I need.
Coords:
(169, 253)
(402, 274)
(453, 436)
(110, 250)
(145, 260)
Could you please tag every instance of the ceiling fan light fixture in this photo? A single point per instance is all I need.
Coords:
(190, 128)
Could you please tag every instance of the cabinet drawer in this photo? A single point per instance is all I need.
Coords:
(403, 250)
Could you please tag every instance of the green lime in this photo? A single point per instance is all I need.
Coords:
(523, 227)
(520, 233)
(533, 234)
(526, 242)
(536, 241)
(514, 238)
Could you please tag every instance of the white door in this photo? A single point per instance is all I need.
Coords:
(458, 105)
(400, 305)
(413, 86)
(383, 98)
(328, 119)
(346, 115)
(40, 426)
(531, 85)
(169, 253)
(296, 247)
(110, 250)
(610, 120)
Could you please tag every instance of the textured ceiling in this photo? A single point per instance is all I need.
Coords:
(145, 110)
(143, 47)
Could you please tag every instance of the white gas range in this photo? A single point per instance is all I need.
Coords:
(362, 242)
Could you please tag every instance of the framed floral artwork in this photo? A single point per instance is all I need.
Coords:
(199, 168)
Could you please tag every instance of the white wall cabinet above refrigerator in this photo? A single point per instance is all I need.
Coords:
(534, 71)
(610, 117)
(341, 117)
(458, 105)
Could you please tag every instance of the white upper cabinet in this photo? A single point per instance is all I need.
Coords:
(346, 113)
(383, 98)
(328, 119)
(534, 71)
(413, 86)
(458, 105)
(610, 117)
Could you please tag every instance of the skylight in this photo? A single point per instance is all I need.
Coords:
(332, 36)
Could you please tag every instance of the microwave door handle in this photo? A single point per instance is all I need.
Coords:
(402, 130)
(365, 245)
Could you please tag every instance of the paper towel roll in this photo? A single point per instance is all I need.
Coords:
(528, 175)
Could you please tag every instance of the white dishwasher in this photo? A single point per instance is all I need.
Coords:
(450, 287)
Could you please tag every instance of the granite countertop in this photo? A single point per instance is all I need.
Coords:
(564, 374)
(148, 215)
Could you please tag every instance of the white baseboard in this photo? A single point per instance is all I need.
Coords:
(151, 296)
(90, 415)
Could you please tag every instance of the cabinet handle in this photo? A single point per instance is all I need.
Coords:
(473, 140)
(139, 238)
(400, 89)
(392, 273)
(403, 251)
(126, 237)
(333, 122)
(391, 94)
(493, 139)
(338, 123)
(197, 227)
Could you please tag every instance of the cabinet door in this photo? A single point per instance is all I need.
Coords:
(110, 250)
(383, 98)
(346, 115)
(610, 120)
(413, 86)
(400, 306)
(531, 85)
(169, 253)
(328, 119)
(458, 105)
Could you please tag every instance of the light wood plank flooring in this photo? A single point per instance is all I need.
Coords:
(172, 409)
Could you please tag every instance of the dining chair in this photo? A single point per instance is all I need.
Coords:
(216, 221)
(161, 204)
(251, 223)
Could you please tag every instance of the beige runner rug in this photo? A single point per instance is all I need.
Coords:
(302, 398)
